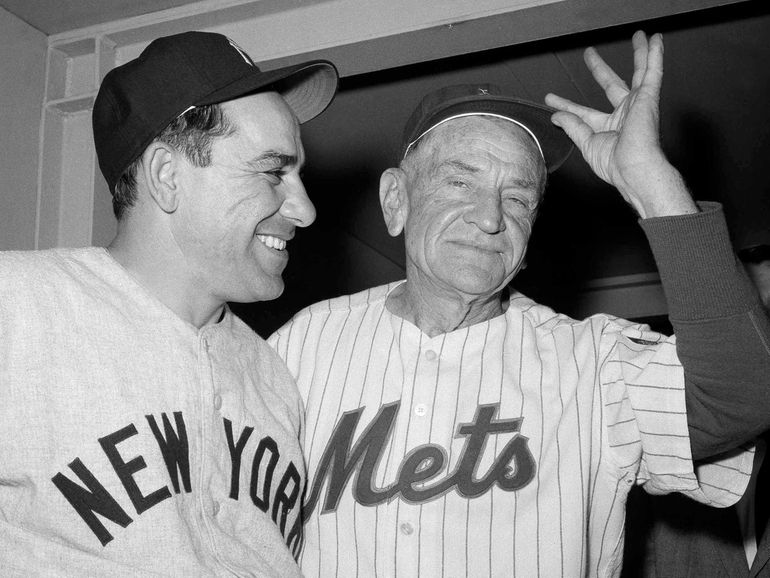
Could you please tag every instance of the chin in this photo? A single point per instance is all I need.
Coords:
(270, 295)
(475, 282)
(261, 293)
(480, 288)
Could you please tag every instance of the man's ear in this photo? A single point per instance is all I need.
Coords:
(160, 166)
(394, 200)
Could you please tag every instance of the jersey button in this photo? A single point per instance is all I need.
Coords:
(215, 508)
(430, 355)
(217, 401)
(406, 528)
(420, 409)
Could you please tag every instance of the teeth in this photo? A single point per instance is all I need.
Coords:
(272, 242)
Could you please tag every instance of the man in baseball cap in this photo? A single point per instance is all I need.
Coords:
(145, 429)
(454, 427)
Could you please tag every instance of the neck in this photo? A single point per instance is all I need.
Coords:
(437, 312)
(146, 257)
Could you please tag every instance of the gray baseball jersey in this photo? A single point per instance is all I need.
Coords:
(506, 448)
(132, 443)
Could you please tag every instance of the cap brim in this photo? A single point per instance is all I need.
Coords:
(308, 88)
(554, 142)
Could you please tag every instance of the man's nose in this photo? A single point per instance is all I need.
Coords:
(487, 213)
(297, 206)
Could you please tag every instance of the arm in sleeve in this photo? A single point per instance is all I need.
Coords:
(722, 331)
(24, 553)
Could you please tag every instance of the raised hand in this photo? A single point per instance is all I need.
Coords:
(623, 147)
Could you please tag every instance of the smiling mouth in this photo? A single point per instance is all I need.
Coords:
(272, 242)
(479, 247)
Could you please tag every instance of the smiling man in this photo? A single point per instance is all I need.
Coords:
(456, 428)
(144, 429)
(477, 184)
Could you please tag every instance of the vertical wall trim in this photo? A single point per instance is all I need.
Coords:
(40, 147)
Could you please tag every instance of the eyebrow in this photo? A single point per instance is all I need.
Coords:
(523, 182)
(459, 165)
(273, 159)
(526, 183)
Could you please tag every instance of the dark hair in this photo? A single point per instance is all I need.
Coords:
(191, 133)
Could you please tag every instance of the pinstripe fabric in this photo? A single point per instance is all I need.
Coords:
(502, 449)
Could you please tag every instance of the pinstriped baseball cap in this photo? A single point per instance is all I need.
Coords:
(137, 100)
(462, 100)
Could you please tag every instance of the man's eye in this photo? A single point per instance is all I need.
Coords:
(276, 174)
(458, 184)
(516, 201)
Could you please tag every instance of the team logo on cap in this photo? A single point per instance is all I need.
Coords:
(242, 52)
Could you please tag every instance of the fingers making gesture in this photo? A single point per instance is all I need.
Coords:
(623, 146)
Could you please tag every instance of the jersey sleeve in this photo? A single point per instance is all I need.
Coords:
(284, 343)
(644, 404)
(24, 553)
(292, 344)
(723, 332)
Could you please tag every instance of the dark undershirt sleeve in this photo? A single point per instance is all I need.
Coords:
(722, 331)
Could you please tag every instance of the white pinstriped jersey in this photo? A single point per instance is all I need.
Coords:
(502, 449)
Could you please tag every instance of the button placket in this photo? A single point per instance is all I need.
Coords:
(208, 508)
(215, 398)
(430, 355)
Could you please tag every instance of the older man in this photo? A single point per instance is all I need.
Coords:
(144, 429)
(454, 428)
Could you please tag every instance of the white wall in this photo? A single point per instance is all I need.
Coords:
(22, 82)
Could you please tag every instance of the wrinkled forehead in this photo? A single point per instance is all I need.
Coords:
(263, 108)
(489, 140)
(265, 120)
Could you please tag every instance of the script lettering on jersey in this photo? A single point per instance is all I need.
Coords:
(513, 468)
(276, 494)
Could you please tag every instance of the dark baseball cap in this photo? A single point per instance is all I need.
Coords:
(462, 100)
(137, 100)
